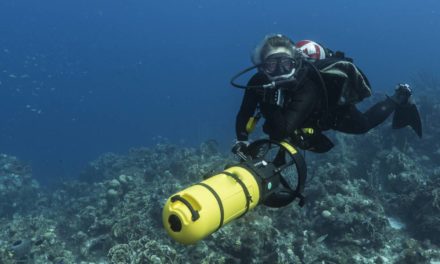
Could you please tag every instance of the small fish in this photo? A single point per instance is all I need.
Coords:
(321, 238)
(12, 75)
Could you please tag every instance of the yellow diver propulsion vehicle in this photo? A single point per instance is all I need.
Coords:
(269, 173)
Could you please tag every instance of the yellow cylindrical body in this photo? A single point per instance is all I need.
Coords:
(178, 219)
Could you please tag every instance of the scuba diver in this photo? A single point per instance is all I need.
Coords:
(304, 89)
(301, 91)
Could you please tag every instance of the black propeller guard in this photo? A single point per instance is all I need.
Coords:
(285, 157)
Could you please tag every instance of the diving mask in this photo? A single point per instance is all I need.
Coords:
(279, 66)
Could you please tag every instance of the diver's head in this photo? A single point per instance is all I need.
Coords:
(277, 57)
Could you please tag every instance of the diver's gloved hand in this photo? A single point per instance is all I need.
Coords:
(240, 146)
(401, 94)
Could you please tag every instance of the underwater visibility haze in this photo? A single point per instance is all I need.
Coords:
(116, 105)
(82, 78)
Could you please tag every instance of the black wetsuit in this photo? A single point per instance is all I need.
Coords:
(305, 106)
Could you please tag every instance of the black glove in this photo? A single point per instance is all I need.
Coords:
(401, 94)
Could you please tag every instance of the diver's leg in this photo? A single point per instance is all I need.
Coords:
(351, 120)
(377, 114)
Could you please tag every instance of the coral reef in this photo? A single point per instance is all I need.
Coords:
(374, 198)
(18, 191)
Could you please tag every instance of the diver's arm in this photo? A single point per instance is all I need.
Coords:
(247, 109)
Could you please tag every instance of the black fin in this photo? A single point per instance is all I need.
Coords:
(408, 115)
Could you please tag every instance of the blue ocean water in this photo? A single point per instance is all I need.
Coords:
(80, 78)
